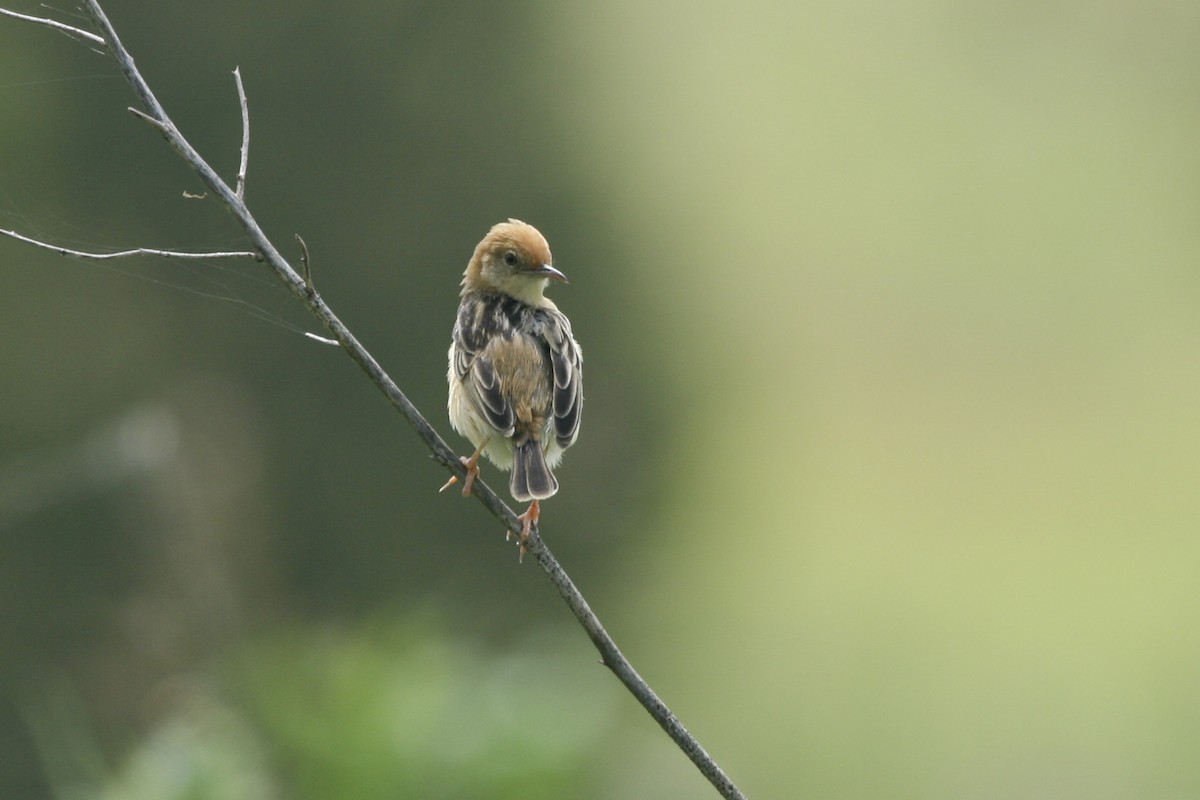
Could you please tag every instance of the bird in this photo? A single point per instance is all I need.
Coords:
(515, 370)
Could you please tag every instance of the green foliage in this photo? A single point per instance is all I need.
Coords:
(382, 711)
(410, 713)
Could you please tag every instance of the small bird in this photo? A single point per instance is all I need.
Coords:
(516, 371)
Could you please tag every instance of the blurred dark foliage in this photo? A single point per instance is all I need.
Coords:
(277, 486)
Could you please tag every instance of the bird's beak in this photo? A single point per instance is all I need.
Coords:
(547, 271)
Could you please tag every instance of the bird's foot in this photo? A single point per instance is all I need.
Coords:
(472, 465)
(528, 520)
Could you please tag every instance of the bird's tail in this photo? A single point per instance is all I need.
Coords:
(531, 478)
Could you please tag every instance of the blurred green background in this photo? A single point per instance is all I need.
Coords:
(887, 476)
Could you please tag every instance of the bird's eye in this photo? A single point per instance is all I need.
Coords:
(511, 258)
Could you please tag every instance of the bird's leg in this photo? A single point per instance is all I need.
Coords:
(472, 465)
(528, 520)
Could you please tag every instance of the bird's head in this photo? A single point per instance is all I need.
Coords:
(513, 259)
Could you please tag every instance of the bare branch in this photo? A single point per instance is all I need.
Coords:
(58, 26)
(442, 453)
(241, 174)
(137, 251)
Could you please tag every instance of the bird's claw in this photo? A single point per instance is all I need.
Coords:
(472, 465)
(528, 520)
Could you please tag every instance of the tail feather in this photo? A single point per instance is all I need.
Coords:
(531, 478)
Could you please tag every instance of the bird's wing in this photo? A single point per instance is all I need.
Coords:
(489, 400)
(567, 363)
(478, 374)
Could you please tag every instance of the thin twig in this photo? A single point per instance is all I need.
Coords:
(305, 263)
(159, 125)
(610, 653)
(322, 339)
(58, 26)
(245, 158)
(137, 251)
